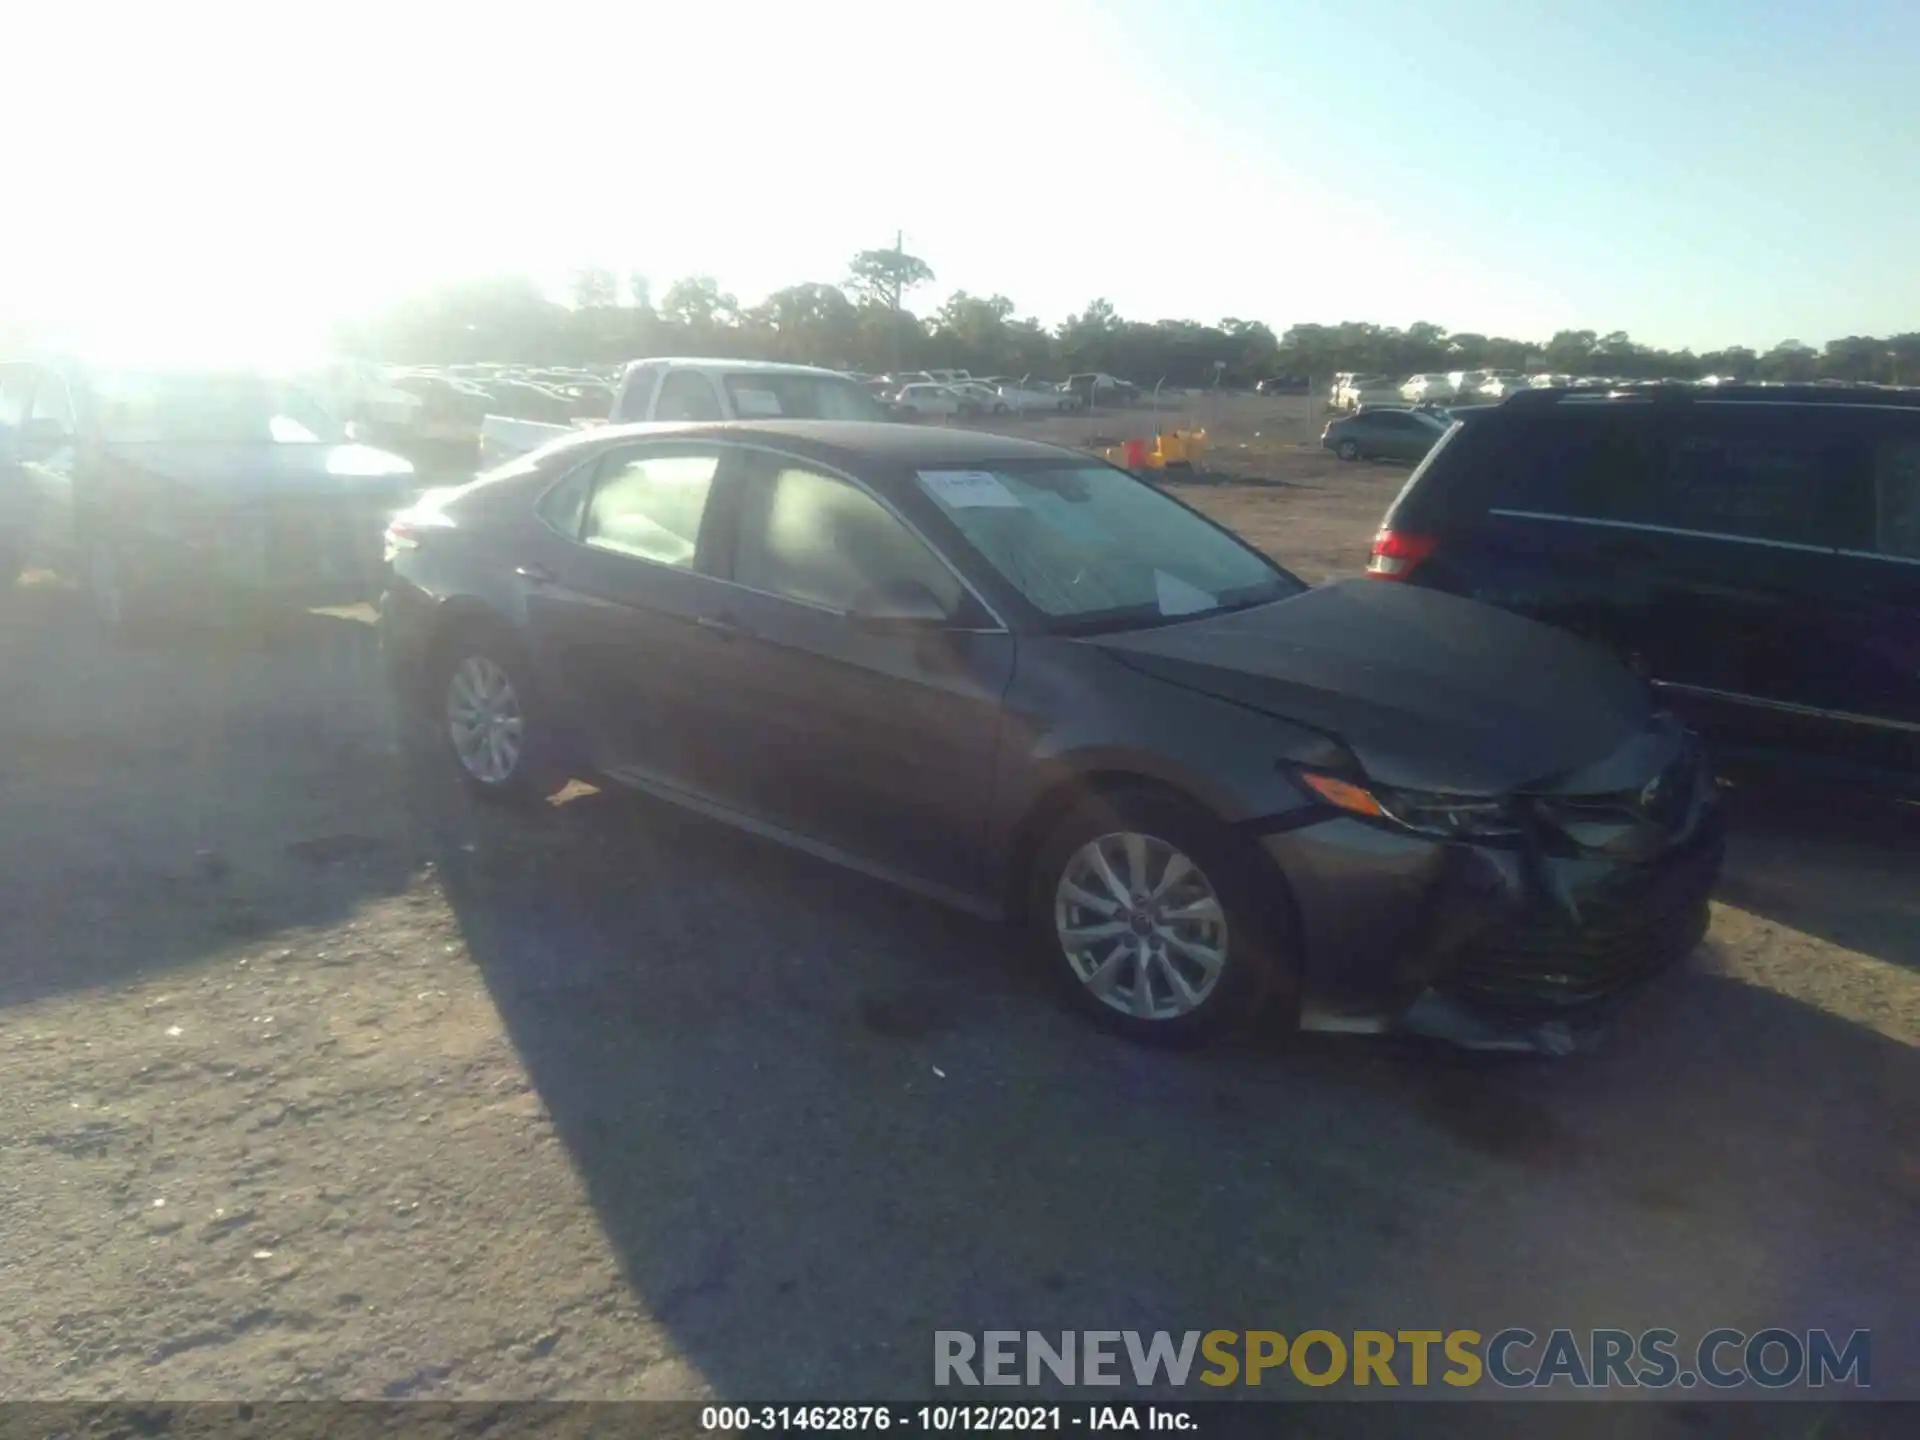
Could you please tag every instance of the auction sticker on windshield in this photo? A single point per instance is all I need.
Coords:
(968, 490)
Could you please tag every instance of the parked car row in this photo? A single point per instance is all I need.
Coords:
(955, 392)
(1352, 389)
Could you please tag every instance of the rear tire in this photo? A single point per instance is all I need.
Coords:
(492, 723)
(1198, 927)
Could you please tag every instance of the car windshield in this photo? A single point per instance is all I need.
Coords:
(158, 407)
(1095, 549)
(771, 395)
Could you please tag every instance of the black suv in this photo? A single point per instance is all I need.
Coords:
(1753, 550)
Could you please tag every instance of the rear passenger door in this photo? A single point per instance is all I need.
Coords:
(1566, 536)
(1875, 669)
(614, 587)
(1751, 511)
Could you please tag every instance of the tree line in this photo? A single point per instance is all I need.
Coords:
(862, 323)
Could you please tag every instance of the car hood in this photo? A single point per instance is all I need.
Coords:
(266, 471)
(1429, 691)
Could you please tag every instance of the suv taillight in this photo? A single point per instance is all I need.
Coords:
(1396, 554)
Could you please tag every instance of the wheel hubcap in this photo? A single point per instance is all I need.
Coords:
(484, 720)
(1141, 926)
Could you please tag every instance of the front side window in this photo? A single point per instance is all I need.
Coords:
(821, 540)
(650, 506)
(1092, 548)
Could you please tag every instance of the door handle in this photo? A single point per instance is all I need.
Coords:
(535, 573)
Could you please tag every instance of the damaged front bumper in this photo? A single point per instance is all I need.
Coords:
(1524, 947)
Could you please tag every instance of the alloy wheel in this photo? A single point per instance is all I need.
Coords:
(1141, 926)
(485, 720)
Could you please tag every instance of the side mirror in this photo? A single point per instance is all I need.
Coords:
(904, 605)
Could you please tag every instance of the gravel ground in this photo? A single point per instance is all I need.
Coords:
(318, 1081)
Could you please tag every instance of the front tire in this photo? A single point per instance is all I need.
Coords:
(1347, 451)
(491, 720)
(1153, 917)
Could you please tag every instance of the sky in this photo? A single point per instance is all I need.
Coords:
(232, 180)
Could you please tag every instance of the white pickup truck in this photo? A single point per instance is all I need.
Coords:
(689, 390)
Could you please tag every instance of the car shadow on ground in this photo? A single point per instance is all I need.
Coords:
(180, 796)
(1844, 866)
(820, 1119)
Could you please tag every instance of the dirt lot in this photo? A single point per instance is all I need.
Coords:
(316, 1080)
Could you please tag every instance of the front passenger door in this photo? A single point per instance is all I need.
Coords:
(878, 743)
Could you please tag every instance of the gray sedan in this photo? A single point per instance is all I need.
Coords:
(1384, 433)
(1021, 681)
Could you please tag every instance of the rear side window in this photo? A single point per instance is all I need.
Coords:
(1764, 473)
(1897, 498)
(1599, 466)
(650, 506)
(565, 505)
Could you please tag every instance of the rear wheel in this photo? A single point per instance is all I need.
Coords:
(1150, 914)
(491, 719)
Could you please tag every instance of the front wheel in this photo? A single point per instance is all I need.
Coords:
(1347, 451)
(1155, 920)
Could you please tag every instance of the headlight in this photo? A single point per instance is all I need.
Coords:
(1452, 817)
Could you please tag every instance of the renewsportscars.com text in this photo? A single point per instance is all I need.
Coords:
(1513, 1358)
